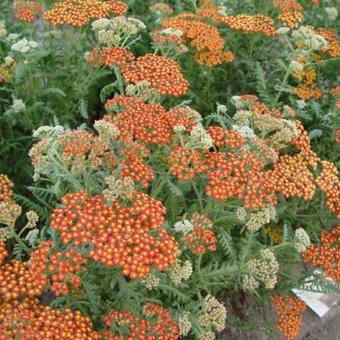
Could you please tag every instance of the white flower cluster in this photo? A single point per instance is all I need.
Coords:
(180, 272)
(184, 324)
(332, 13)
(245, 131)
(260, 218)
(12, 37)
(172, 31)
(213, 315)
(142, 89)
(3, 30)
(24, 46)
(184, 227)
(302, 240)
(116, 31)
(107, 130)
(207, 336)
(9, 61)
(308, 39)
(118, 188)
(48, 131)
(199, 138)
(18, 105)
(256, 220)
(264, 268)
(151, 281)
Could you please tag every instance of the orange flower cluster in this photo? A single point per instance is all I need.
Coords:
(80, 12)
(306, 89)
(3, 252)
(185, 164)
(78, 149)
(109, 57)
(257, 23)
(327, 255)
(333, 45)
(63, 268)
(293, 178)
(205, 38)
(329, 184)
(27, 10)
(28, 319)
(161, 72)
(6, 186)
(19, 279)
(222, 137)
(133, 166)
(290, 14)
(291, 172)
(118, 235)
(307, 92)
(241, 176)
(289, 310)
(337, 135)
(202, 238)
(146, 123)
(157, 324)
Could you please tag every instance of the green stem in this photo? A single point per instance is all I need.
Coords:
(20, 242)
(119, 79)
(197, 195)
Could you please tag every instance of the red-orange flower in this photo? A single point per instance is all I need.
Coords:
(27, 10)
(163, 73)
(289, 310)
(156, 323)
(327, 254)
(118, 235)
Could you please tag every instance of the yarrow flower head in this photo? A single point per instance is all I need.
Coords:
(24, 46)
(18, 105)
(199, 139)
(302, 240)
(184, 324)
(183, 227)
(180, 272)
(263, 268)
(213, 314)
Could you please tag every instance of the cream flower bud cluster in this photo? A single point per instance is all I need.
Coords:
(207, 336)
(242, 117)
(24, 46)
(32, 219)
(244, 131)
(151, 281)
(249, 283)
(118, 188)
(213, 315)
(114, 32)
(180, 272)
(142, 89)
(3, 30)
(184, 227)
(255, 220)
(5, 234)
(18, 105)
(9, 61)
(199, 138)
(48, 131)
(264, 268)
(184, 324)
(308, 39)
(302, 240)
(295, 66)
(260, 218)
(9, 212)
(106, 130)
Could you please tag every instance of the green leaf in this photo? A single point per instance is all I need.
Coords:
(107, 91)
